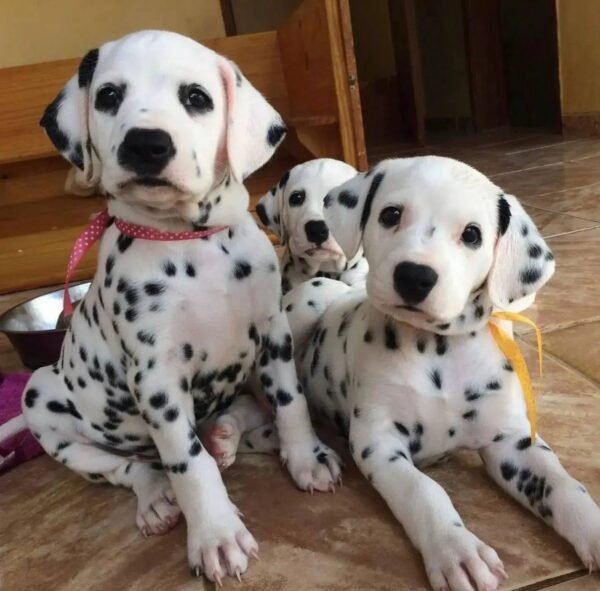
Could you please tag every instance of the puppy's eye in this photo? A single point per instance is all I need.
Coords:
(195, 99)
(297, 198)
(108, 98)
(471, 236)
(390, 216)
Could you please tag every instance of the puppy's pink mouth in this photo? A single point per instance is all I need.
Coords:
(148, 181)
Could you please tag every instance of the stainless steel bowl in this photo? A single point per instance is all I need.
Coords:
(32, 326)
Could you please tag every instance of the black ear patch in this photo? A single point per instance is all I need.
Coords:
(261, 212)
(87, 67)
(366, 212)
(50, 124)
(503, 215)
(275, 134)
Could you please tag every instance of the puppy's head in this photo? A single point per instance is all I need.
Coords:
(434, 232)
(158, 120)
(293, 209)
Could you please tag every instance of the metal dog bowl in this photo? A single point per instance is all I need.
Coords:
(36, 328)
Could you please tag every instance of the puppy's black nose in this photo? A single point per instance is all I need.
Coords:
(316, 231)
(413, 282)
(146, 151)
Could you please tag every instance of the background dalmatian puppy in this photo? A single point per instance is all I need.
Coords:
(408, 369)
(293, 210)
(169, 331)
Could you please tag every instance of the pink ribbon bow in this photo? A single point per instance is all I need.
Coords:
(94, 231)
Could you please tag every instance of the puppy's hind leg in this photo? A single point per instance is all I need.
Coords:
(532, 474)
(244, 415)
(56, 423)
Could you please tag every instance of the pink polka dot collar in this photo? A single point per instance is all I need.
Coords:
(95, 229)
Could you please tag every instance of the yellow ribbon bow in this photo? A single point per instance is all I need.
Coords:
(511, 351)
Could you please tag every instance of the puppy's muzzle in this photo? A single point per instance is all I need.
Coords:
(146, 152)
(414, 282)
(317, 231)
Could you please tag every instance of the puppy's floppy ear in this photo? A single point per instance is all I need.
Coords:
(270, 209)
(66, 120)
(347, 209)
(254, 128)
(522, 261)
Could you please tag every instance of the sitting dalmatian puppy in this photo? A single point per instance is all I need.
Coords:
(293, 210)
(170, 330)
(408, 368)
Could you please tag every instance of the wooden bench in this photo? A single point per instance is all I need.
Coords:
(306, 69)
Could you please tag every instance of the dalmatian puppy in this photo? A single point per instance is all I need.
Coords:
(407, 366)
(170, 331)
(293, 210)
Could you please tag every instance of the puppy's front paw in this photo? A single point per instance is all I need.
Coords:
(312, 465)
(457, 560)
(220, 545)
(587, 540)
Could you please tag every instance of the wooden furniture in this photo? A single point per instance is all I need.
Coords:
(306, 69)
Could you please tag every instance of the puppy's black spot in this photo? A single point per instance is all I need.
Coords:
(421, 344)
(436, 378)
(49, 122)
(190, 271)
(415, 446)
(471, 394)
(30, 397)
(356, 412)
(158, 400)
(470, 415)
(154, 288)
(494, 385)
(242, 269)
(262, 214)
(187, 351)
(124, 242)
(368, 336)
(530, 275)
(391, 340)
(109, 265)
(401, 429)
(523, 443)
(534, 251)
(171, 414)
(549, 256)
(169, 268)
(275, 134)
(451, 432)
(441, 344)
(131, 314)
(366, 452)
(145, 337)
(60, 408)
(508, 470)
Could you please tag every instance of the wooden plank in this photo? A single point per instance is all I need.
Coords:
(407, 54)
(486, 67)
(346, 84)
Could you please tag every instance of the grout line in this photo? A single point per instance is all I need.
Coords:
(545, 147)
(549, 210)
(562, 325)
(553, 581)
(566, 366)
(560, 234)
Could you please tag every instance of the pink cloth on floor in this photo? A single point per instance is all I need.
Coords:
(23, 446)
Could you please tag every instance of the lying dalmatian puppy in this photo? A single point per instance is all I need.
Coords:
(293, 210)
(170, 331)
(408, 369)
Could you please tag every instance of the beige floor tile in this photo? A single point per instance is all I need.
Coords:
(579, 346)
(551, 223)
(584, 583)
(582, 202)
(573, 294)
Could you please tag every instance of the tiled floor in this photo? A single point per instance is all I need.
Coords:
(58, 532)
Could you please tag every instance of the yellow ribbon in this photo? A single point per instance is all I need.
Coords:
(511, 351)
